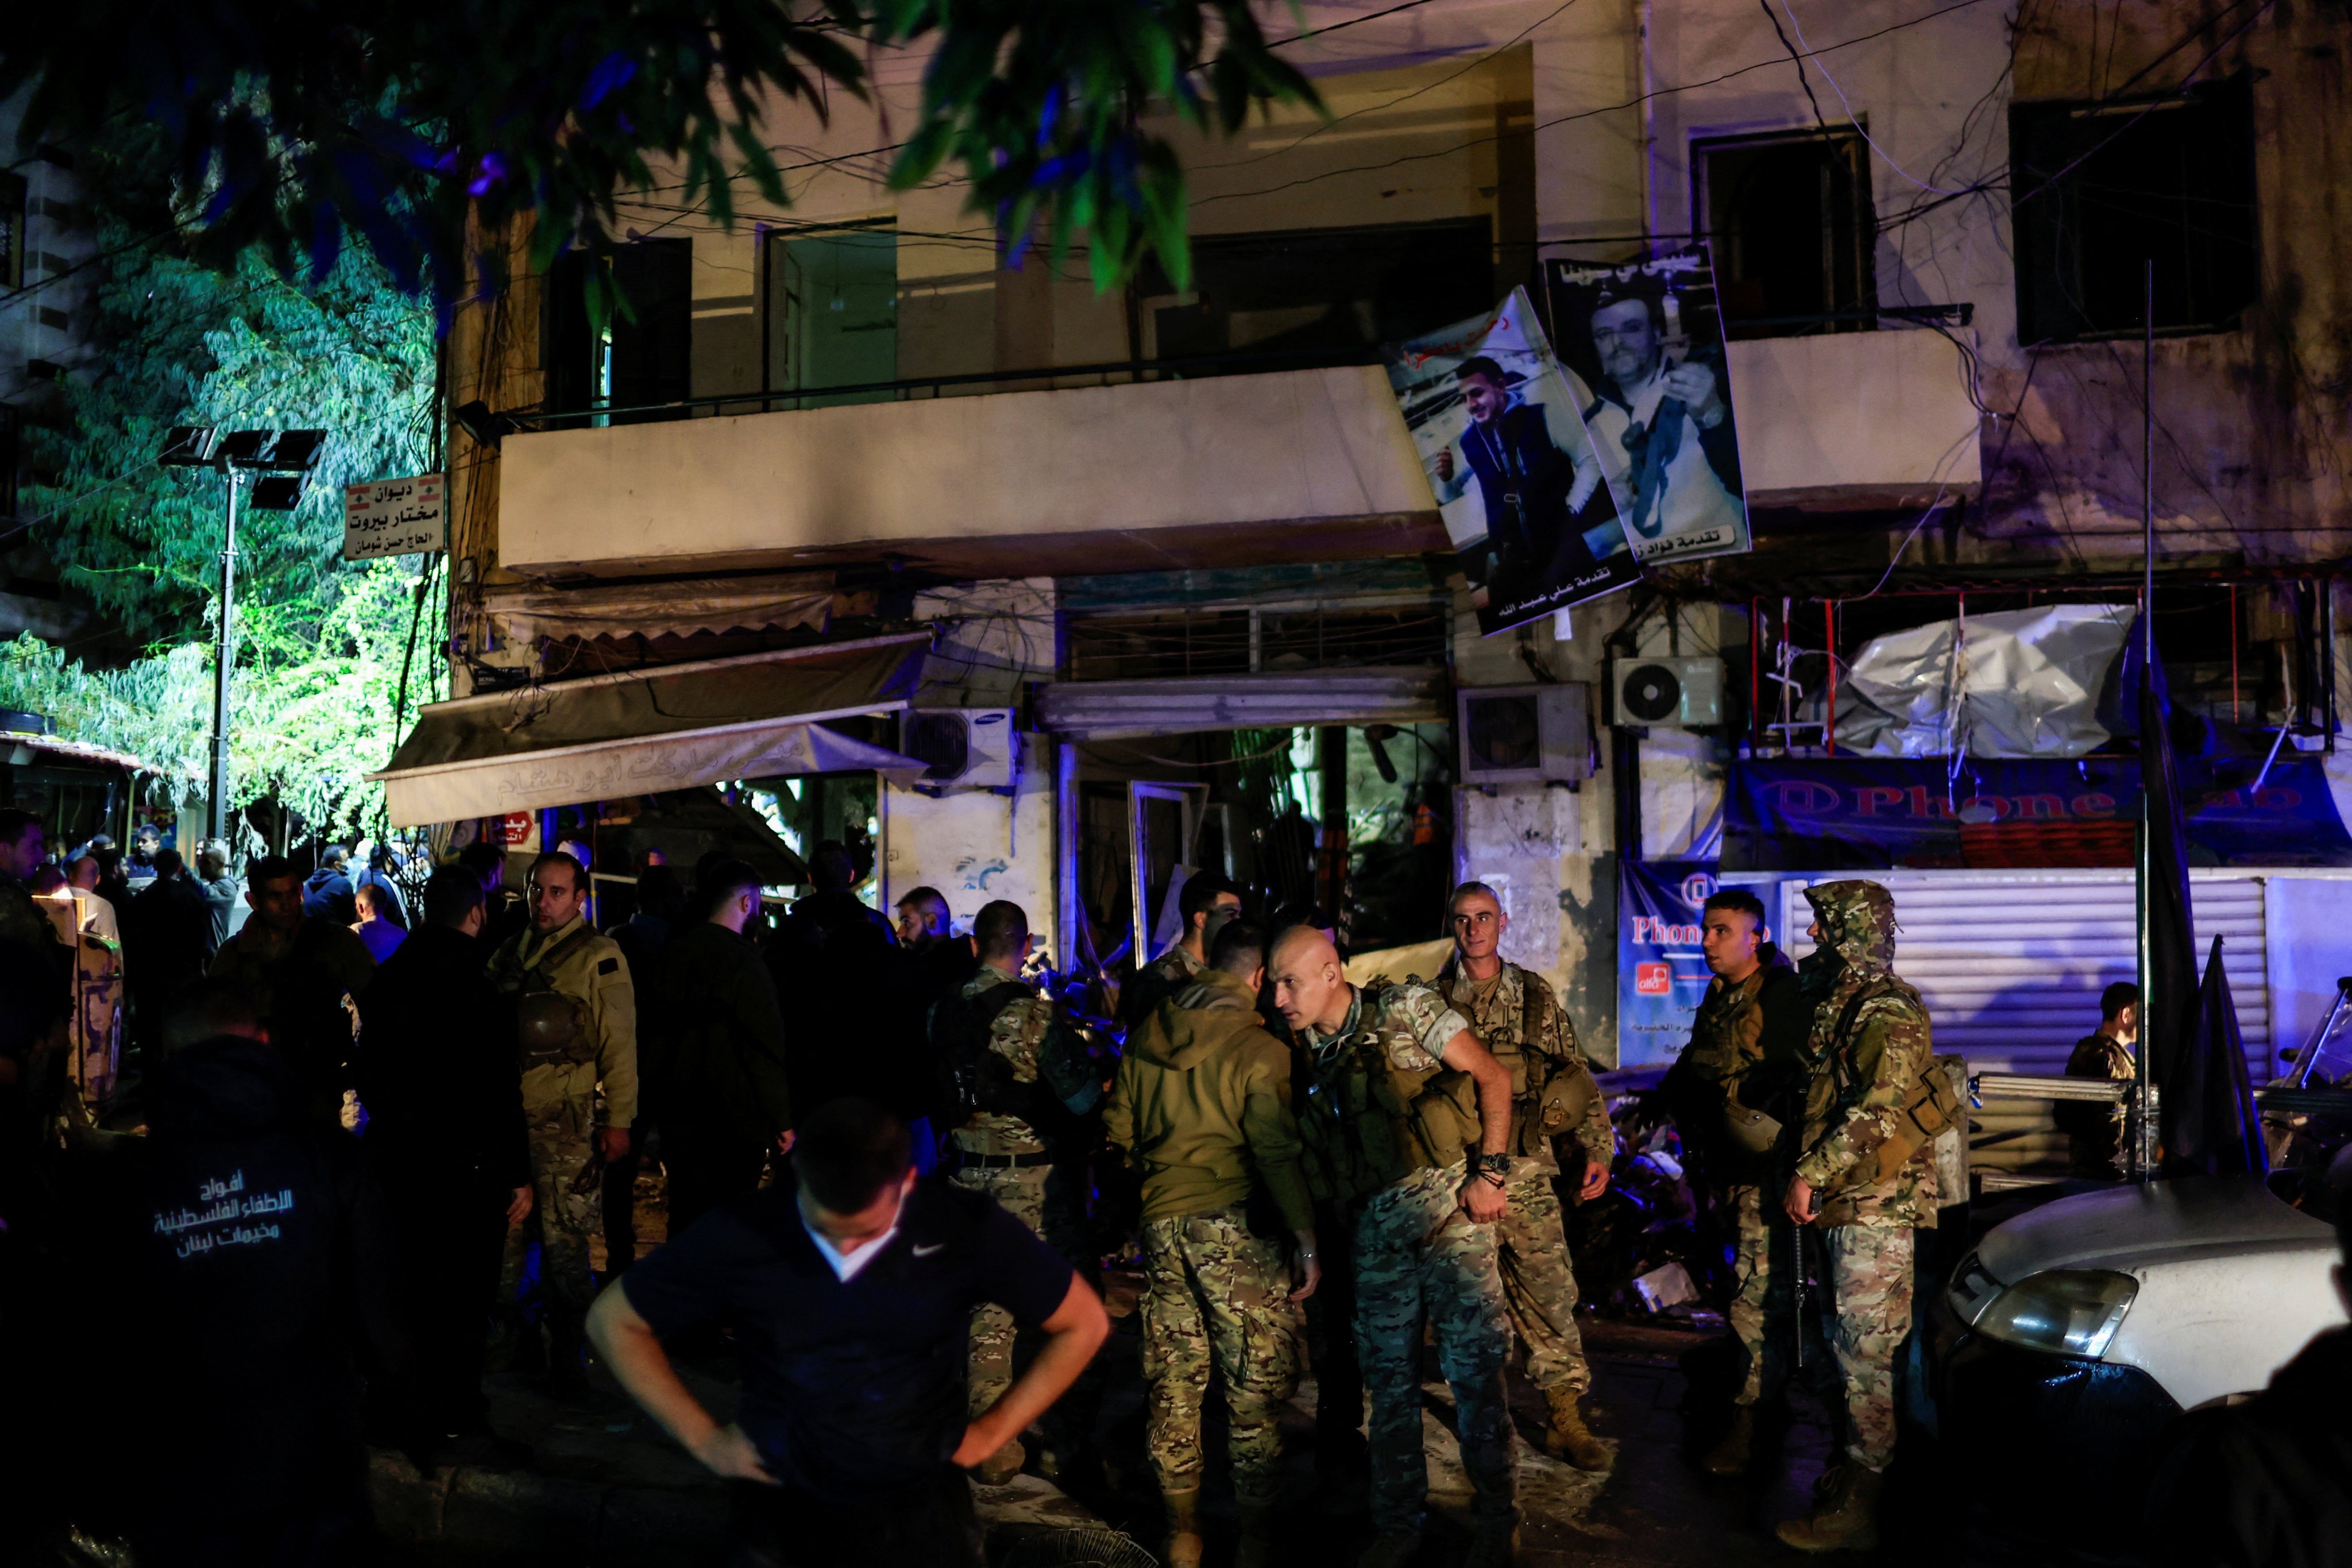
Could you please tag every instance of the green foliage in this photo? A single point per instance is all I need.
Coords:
(179, 344)
(309, 712)
(1041, 101)
(433, 133)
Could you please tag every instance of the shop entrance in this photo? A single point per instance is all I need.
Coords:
(1350, 822)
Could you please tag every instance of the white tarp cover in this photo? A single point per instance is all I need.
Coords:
(639, 731)
(779, 600)
(2016, 683)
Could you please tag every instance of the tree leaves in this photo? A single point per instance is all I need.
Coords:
(436, 132)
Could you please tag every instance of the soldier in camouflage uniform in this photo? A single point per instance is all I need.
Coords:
(2097, 1144)
(576, 1027)
(1736, 1093)
(1517, 1018)
(1001, 1152)
(1201, 1106)
(1870, 1044)
(1407, 1121)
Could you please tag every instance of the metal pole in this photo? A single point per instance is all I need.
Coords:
(2142, 1165)
(216, 813)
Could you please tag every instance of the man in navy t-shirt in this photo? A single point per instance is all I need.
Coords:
(851, 1298)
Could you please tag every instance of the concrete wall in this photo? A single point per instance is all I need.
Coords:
(975, 846)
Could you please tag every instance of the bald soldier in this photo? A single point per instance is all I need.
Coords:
(1407, 1121)
(575, 1027)
(1518, 1019)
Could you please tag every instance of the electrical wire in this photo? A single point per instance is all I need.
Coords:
(1859, 129)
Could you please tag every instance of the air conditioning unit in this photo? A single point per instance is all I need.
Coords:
(1681, 693)
(1524, 735)
(966, 748)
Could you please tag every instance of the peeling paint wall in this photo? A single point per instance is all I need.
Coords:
(976, 845)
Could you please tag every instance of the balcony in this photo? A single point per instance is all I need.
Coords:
(1194, 470)
(1211, 471)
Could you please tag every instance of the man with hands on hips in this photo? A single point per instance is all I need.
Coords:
(850, 1291)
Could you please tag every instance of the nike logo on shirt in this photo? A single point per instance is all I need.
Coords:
(926, 1251)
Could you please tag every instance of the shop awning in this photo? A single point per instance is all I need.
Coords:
(1123, 710)
(638, 731)
(781, 601)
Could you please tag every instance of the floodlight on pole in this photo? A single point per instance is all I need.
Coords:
(283, 457)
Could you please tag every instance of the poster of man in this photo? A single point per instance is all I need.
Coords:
(1645, 341)
(1515, 476)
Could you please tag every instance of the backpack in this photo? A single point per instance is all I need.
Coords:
(977, 1079)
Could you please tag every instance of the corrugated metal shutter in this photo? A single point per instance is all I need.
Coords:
(1116, 710)
(2012, 963)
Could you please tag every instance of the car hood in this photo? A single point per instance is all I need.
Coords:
(2129, 1225)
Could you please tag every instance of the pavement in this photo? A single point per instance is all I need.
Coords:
(607, 1488)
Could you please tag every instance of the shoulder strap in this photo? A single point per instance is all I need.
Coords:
(563, 949)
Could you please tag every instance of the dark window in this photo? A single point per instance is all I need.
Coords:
(12, 231)
(1245, 641)
(1335, 288)
(644, 353)
(8, 459)
(2100, 190)
(1794, 234)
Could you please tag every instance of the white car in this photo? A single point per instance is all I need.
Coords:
(2076, 1332)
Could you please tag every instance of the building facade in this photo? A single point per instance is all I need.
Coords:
(1187, 599)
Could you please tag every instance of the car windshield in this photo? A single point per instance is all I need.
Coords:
(2326, 1057)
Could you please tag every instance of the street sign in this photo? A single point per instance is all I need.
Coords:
(394, 516)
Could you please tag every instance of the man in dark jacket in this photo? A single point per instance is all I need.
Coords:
(329, 894)
(720, 1054)
(262, 1265)
(304, 974)
(2268, 1483)
(1742, 1073)
(167, 937)
(839, 961)
(442, 1087)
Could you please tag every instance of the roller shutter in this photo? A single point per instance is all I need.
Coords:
(2012, 963)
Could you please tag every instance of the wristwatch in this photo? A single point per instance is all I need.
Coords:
(1496, 1165)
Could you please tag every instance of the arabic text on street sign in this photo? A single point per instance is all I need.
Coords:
(394, 516)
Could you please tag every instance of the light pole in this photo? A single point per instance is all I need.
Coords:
(284, 457)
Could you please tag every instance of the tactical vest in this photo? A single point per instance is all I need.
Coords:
(1932, 1105)
(1367, 1124)
(979, 1079)
(1550, 1093)
(553, 1026)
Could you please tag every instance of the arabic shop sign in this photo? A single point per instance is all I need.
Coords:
(1662, 975)
(394, 516)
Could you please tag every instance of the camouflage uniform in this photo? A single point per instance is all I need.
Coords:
(1539, 1282)
(1865, 1072)
(1016, 1034)
(1217, 1296)
(558, 1102)
(1727, 1045)
(2095, 1134)
(1418, 1253)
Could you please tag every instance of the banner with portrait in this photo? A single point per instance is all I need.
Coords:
(1515, 476)
(1642, 343)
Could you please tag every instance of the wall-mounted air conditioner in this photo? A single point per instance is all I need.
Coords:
(1679, 693)
(966, 748)
(1521, 734)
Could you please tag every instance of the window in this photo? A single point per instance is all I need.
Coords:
(1321, 289)
(12, 231)
(1794, 233)
(644, 352)
(833, 314)
(2099, 190)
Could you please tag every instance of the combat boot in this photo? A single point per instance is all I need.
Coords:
(1730, 1457)
(1493, 1543)
(1257, 1547)
(1002, 1466)
(1846, 1520)
(1392, 1549)
(1567, 1438)
(1183, 1529)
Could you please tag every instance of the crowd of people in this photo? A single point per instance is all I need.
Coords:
(373, 1168)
